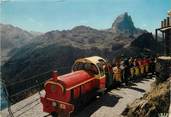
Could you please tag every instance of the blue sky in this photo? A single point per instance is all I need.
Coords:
(46, 15)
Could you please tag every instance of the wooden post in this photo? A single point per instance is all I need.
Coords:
(165, 23)
(167, 37)
(168, 22)
(164, 48)
(156, 37)
(162, 24)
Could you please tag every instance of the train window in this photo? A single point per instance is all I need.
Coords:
(87, 66)
(93, 69)
(101, 68)
(75, 67)
(78, 66)
(81, 66)
(102, 61)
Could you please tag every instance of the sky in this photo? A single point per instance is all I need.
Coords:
(47, 15)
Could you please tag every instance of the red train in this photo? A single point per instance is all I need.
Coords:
(69, 92)
(89, 77)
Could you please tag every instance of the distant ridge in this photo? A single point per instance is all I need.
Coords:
(13, 37)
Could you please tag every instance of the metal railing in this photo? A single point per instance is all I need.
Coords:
(21, 89)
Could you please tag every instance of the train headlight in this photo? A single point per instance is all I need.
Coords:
(62, 106)
(54, 104)
(53, 88)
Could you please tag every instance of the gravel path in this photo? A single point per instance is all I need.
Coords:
(114, 102)
(111, 104)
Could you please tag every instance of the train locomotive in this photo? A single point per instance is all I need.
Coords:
(67, 93)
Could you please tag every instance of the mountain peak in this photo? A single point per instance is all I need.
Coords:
(123, 24)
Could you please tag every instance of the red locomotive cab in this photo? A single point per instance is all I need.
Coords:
(56, 97)
(61, 90)
(63, 93)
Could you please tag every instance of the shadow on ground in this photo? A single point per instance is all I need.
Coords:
(107, 100)
(137, 89)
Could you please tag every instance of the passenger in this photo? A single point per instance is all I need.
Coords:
(141, 66)
(102, 66)
(146, 65)
(126, 73)
(110, 68)
(117, 73)
(152, 65)
(122, 67)
(131, 66)
(136, 67)
(109, 74)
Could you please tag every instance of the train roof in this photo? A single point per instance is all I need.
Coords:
(93, 59)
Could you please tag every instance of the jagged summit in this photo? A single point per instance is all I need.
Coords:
(123, 24)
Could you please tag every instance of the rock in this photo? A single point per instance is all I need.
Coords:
(124, 24)
(12, 38)
(155, 102)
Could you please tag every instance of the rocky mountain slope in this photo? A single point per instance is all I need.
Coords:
(152, 104)
(12, 38)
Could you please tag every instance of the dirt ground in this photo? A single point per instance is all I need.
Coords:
(114, 102)
(111, 104)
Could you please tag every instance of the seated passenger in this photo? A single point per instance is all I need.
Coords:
(117, 73)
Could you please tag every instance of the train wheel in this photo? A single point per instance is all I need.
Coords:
(54, 114)
(64, 114)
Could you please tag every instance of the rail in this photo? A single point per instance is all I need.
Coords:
(12, 91)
